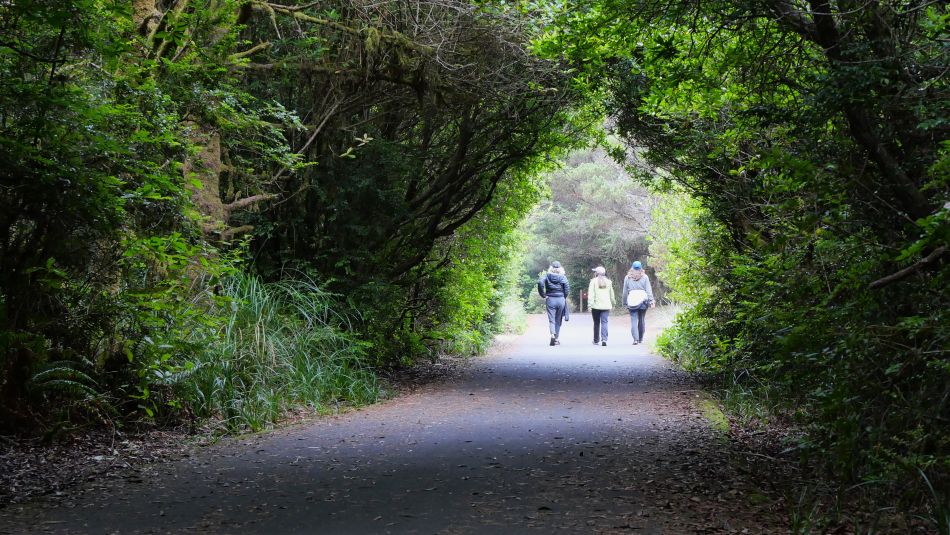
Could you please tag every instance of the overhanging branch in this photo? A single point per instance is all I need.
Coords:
(910, 270)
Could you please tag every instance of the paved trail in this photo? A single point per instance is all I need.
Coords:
(570, 439)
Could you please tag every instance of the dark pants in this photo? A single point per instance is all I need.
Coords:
(556, 307)
(637, 323)
(600, 324)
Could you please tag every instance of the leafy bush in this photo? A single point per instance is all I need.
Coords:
(865, 377)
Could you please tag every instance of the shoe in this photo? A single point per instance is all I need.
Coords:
(553, 340)
(595, 342)
(604, 343)
(557, 342)
(635, 342)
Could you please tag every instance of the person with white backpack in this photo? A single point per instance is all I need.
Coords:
(637, 297)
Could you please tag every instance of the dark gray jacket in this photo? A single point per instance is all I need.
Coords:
(553, 285)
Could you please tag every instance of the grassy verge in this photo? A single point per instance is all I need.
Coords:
(511, 317)
(283, 346)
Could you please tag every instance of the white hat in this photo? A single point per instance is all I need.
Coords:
(600, 270)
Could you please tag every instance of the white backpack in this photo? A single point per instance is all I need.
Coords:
(636, 298)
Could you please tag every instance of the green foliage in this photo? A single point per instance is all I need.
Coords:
(167, 314)
(838, 358)
(510, 315)
(103, 262)
(280, 345)
(676, 233)
(812, 253)
(458, 293)
(65, 381)
(478, 282)
(88, 167)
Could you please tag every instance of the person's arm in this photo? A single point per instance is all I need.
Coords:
(591, 288)
(625, 291)
(650, 293)
(613, 298)
(541, 287)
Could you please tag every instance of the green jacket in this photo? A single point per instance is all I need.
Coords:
(600, 298)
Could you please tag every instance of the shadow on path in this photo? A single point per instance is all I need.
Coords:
(574, 439)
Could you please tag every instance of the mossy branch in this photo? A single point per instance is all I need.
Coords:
(169, 18)
(302, 66)
(393, 37)
(251, 51)
(247, 201)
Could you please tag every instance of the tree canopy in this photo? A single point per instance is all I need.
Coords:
(813, 136)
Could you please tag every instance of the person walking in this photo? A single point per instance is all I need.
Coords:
(600, 293)
(554, 288)
(637, 297)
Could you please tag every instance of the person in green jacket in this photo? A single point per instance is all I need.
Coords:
(600, 295)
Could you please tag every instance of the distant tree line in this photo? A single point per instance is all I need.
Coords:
(595, 214)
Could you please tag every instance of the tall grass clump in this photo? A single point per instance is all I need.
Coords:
(282, 345)
(511, 318)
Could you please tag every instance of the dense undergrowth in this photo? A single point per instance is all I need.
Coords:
(804, 150)
(795, 329)
(177, 174)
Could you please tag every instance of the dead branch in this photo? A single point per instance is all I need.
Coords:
(909, 270)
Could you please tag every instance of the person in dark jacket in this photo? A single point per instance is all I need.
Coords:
(554, 288)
